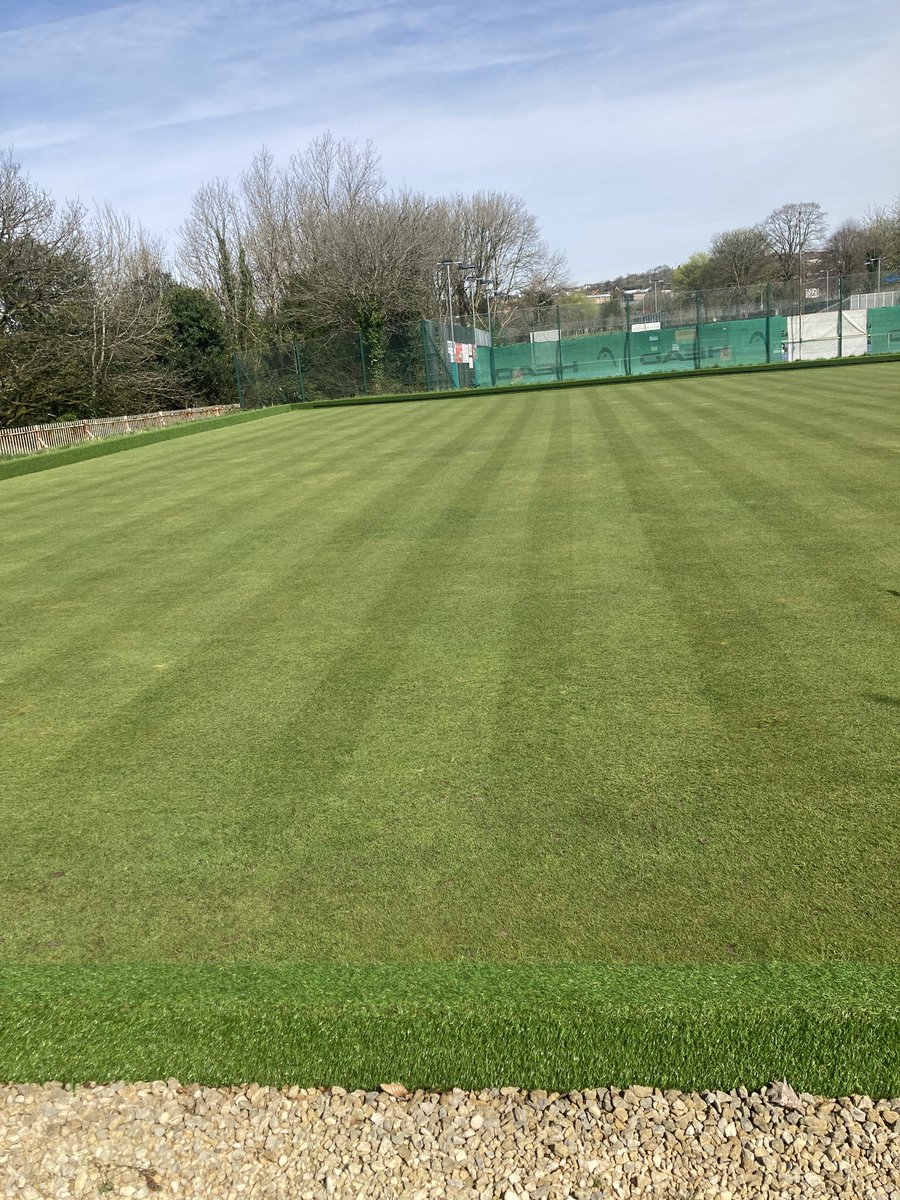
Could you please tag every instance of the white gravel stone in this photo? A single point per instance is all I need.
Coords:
(162, 1141)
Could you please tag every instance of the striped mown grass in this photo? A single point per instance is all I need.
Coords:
(599, 677)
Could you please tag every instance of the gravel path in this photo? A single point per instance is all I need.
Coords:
(162, 1140)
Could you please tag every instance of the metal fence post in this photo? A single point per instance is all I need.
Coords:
(768, 322)
(362, 362)
(298, 364)
(236, 366)
(697, 331)
(840, 317)
(627, 363)
(491, 347)
(423, 334)
(559, 362)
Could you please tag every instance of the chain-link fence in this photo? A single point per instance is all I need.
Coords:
(336, 365)
(645, 334)
(678, 331)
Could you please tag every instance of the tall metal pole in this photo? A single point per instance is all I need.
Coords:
(490, 328)
(448, 265)
(840, 328)
(454, 374)
(559, 358)
(697, 331)
(800, 307)
(768, 322)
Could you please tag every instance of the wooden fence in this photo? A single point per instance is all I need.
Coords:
(31, 439)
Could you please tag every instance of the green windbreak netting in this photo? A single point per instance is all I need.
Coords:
(593, 356)
(720, 343)
(526, 362)
(483, 374)
(641, 352)
(883, 327)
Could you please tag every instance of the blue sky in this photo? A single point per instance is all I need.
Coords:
(633, 130)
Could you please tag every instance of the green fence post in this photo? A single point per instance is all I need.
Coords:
(491, 347)
(299, 368)
(236, 366)
(423, 333)
(362, 363)
(697, 331)
(768, 322)
(627, 363)
(840, 328)
(559, 362)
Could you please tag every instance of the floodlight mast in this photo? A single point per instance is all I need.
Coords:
(448, 263)
(471, 274)
(486, 288)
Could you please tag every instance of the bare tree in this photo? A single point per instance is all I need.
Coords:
(495, 232)
(212, 255)
(128, 316)
(270, 233)
(845, 248)
(739, 257)
(44, 284)
(337, 175)
(791, 231)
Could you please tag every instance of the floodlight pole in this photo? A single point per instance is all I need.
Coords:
(454, 377)
(470, 276)
(471, 271)
(486, 288)
(655, 300)
(448, 263)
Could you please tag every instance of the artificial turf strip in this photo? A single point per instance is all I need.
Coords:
(830, 1030)
(603, 676)
(47, 460)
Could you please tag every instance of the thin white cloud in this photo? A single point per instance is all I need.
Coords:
(633, 130)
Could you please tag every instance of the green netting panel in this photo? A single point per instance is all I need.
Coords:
(721, 343)
(526, 362)
(483, 375)
(741, 342)
(655, 350)
(593, 356)
(883, 327)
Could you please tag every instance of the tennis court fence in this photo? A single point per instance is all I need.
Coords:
(509, 343)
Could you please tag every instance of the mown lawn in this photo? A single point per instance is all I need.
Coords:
(604, 675)
(599, 676)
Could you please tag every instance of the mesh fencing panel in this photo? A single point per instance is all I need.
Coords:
(670, 332)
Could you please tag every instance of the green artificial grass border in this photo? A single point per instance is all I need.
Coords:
(831, 1030)
(46, 460)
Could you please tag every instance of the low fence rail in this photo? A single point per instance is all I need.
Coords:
(31, 439)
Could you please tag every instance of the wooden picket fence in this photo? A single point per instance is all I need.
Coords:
(31, 439)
